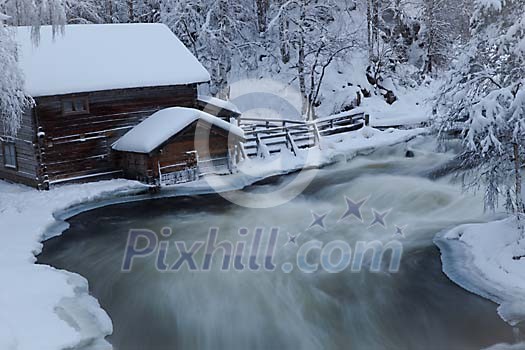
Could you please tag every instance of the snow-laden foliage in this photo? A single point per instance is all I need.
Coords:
(484, 100)
(13, 100)
(296, 39)
(298, 42)
(35, 13)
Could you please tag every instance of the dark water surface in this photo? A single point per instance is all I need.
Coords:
(416, 308)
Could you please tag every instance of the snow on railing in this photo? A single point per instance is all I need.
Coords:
(274, 134)
(177, 177)
(217, 166)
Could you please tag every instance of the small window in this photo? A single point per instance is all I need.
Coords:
(9, 151)
(75, 106)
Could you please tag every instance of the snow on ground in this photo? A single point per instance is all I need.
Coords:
(413, 107)
(518, 346)
(333, 148)
(48, 309)
(478, 257)
(40, 307)
(268, 98)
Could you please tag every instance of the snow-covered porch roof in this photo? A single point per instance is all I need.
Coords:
(163, 125)
(95, 57)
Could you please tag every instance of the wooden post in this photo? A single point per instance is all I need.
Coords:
(317, 136)
(160, 173)
(243, 154)
(290, 141)
(258, 141)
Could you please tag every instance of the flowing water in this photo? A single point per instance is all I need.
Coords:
(415, 308)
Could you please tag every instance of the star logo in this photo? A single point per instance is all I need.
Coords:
(318, 220)
(400, 231)
(292, 239)
(379, 218)
(353, 209)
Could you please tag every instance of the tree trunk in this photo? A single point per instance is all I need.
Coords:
(375, 25)
(520, 207)
(301, 73)
(131, 11)
(110, 11)
(283, 38)
(224, 60)
(369, 29)
(262, 13)
(301, 60)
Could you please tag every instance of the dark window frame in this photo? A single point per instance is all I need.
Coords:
(10, 161)
(73, 102)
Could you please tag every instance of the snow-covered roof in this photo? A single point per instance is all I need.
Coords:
(94, 57)
(220, 103)
(166, 123)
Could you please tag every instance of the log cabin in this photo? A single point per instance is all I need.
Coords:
(177, 145)
(91, 86)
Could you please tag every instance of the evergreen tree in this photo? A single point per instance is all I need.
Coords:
(484, 98)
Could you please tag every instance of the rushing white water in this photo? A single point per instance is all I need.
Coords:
(415, 308)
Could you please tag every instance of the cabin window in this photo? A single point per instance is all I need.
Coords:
(9, 152)
(75, 106)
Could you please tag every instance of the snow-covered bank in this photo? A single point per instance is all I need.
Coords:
(41, 307)
(478, 257)
(518, 346)
(44, 308)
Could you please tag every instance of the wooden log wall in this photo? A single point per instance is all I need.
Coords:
(78, 146)
(173, 154)
(27, 162)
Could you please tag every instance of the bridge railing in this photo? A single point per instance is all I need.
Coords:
(277, 134)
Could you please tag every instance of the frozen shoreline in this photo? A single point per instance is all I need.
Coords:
(478, 257)
(66, 316)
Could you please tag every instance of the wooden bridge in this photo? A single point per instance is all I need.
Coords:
(275, 134)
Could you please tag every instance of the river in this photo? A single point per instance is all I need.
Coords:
(416, 307)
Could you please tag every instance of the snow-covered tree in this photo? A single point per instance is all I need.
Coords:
(85, 12)
(312, 34)
(484, 98)
(35, 13)
(13, 100)
(219, 32)
(436, 33)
